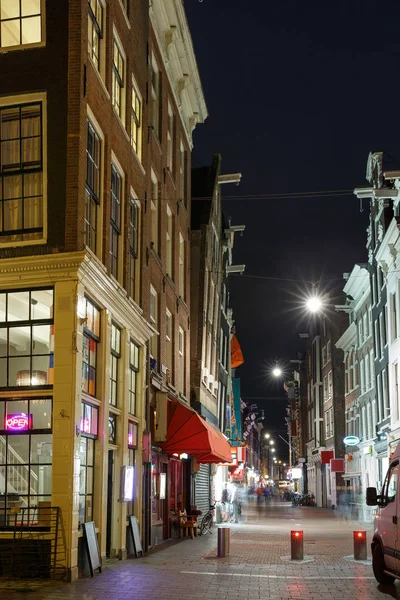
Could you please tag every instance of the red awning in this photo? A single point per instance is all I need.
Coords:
(188, 432)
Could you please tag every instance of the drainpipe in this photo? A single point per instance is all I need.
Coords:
(147, 465)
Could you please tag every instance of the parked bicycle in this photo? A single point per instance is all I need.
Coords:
(208, 520)
(303, 500)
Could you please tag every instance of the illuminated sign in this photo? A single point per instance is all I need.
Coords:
(85, 426)
(127, 481)
(18, 422)
(351, 440)
(163, 485)
(297, 473)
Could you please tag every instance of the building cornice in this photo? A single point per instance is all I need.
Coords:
(348, 338)
(171, 30)
(48, 269)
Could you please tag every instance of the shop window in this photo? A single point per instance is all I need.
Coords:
(132, 434)
(132, 463)
(115, 359)
(133, 374)
(176, 486)
(25, 457)
(26, 338)
(86, 480)
(91, 338)
(89, 429)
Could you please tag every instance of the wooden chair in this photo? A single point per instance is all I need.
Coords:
(187, 523)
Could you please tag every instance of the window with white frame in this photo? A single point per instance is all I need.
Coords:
(154, 321)
(327, 425)
(367, 372)
(183, 173)
(22, 171)
(168, 342)
(133, 377)
(182, 279)
(168, 242)
(115, 357)
(374, 416)
(215, 249)
(21, 23)
(170, 139)
(385, 395)
(328, 351)
(136, 121)
(362, 377)
(93, 185)
(381, 333)
(324, 356)
(118, 80)
(331, 425)
(379, 396)
(221, 346)
(364, 424)
(211, 302)
(360, 332)
(115, 219)
(133, 245)
(370, 320)
(155, 212)
(95, 32)
(369, 422)
(330, 385)
(181, 353)
(365, 326)
(325, 388)
(155, 98)
(377, 340)
(393, 317)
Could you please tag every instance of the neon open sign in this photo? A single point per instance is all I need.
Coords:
(18, 422)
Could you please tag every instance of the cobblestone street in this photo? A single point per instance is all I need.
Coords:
(258, 565)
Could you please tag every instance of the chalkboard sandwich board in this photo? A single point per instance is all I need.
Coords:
(92, 546)
(136, 536)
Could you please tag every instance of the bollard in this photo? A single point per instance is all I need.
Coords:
(360, 545)
(224, 540)
(296, 545)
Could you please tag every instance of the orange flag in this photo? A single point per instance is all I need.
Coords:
(236, 353)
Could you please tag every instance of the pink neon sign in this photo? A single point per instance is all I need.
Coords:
(18, 422)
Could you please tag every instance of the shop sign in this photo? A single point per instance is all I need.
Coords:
(18, 422)
(127, 479)
(351, 440)
(297, 473)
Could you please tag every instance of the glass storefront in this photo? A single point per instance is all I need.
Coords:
(89, 428)
(25, 456)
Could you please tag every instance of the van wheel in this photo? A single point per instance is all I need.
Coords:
(378, 566)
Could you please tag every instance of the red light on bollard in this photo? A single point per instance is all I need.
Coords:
(360, 545)
(296, 545)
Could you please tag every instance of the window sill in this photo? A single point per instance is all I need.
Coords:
(99, 77)
(22, 47)
(122, 125)
(125, 15)
(141, 167)
(23, 243)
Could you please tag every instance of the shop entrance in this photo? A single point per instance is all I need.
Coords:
(110, 476)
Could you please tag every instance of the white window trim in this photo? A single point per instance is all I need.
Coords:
(99, 224)
(25, 99)
(122, 119)
(117, 165)
(139, 157)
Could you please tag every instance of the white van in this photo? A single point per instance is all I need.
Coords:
(385, 544)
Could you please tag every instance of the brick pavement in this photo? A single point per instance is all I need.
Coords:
(255, 569)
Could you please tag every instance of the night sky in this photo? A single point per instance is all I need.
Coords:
(298, 94)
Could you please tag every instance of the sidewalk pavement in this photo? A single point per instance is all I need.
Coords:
(257, 567)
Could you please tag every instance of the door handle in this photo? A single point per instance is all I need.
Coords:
(394, 519)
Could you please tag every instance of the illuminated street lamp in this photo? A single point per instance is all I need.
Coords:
(277, 372)
(272, 450)
(267, 436)
(314, 304)
(271, 443)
